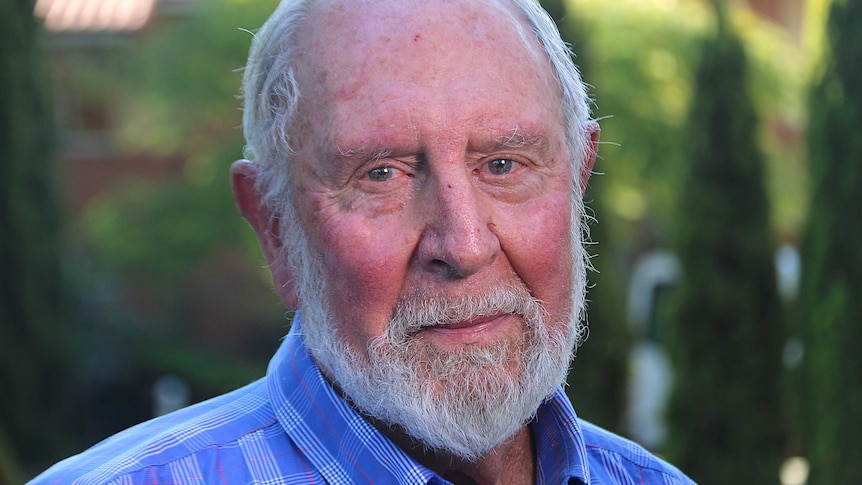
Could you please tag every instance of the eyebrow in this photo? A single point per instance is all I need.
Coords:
(363, 152)
(518, 138)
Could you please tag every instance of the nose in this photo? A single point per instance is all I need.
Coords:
(459, 238)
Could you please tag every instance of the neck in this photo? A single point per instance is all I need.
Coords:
(511, 462)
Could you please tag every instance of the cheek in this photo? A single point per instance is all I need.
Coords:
(365, 268)
(539, 248)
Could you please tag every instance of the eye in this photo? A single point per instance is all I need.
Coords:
(381, 174)
(501, 166)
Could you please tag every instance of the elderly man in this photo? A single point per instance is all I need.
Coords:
(416, 189)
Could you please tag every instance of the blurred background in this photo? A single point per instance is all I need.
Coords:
(723, 327)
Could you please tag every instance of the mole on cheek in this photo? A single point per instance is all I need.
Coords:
(417, 37)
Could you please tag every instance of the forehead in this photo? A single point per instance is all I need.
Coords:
(353, 37)
(363, 57)
(362, 23)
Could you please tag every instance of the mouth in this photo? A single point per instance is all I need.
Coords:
(483, 329)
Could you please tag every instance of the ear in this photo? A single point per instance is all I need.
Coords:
(592, 135)
(243, 175)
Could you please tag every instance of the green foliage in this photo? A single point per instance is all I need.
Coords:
(725, 339)
(642, 57)
(32, 357)
(832, 268)
(154, 231)
(640, 66)
(185, 78)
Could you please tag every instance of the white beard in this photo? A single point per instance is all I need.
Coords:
(463, 402)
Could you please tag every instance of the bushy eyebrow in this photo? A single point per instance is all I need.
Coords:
(363, 152)
(518, 138)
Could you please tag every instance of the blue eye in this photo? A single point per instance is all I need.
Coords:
(501, 166)
(381, 174)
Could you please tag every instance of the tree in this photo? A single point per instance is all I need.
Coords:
(32, 342)
(726, 336)
(831, 260)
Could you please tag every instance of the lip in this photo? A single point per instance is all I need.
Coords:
(480, 329)
(480, 321)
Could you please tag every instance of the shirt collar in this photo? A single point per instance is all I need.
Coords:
(560, 448)
(344, 446)
(335, 439)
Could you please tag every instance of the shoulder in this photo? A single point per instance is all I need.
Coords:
(203, 443)
(615, 459)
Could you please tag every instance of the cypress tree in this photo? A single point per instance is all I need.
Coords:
(31, 343)
(725, 334)
(831, 289)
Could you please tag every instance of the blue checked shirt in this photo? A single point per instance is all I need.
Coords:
(291, 427)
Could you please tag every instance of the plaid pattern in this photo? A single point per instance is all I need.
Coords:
(291, 427)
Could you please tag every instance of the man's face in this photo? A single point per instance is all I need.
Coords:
(433, 167)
